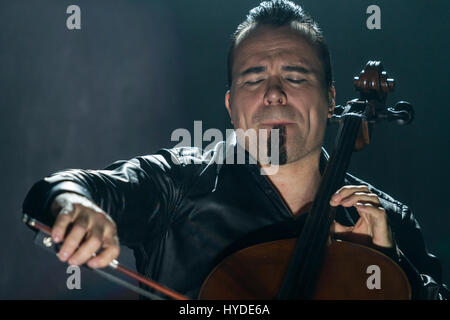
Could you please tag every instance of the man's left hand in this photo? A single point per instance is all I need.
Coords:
(372, 221)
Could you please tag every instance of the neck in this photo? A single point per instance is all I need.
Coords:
(298, 182)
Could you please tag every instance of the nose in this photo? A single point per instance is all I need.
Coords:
(275, 95)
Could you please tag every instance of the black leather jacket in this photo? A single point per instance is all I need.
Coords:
(181, 211)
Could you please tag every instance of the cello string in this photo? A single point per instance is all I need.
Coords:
(304, 254)
(317, 240)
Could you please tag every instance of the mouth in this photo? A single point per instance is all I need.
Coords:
(276, 123)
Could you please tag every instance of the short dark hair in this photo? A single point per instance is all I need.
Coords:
(278, 13)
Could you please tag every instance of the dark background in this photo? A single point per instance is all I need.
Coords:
(137, 70)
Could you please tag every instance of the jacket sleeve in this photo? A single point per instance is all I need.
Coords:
(138, 194)
(423, 269)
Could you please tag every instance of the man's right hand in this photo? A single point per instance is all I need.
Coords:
(92, 229)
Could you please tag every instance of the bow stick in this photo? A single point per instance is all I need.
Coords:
(45, 239)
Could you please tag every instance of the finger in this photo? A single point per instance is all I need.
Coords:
(380, 229)
(336, 227)
(74, 238)
(363, 225)
(88, 248)
(346, 191)
(360, 197)
(64, 218)
(356, 234)
(375, 214)
(111, 251)
(329, 241)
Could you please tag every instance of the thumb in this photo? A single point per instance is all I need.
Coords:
(336, 227)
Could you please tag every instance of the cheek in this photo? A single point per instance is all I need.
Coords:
(242, 106)
(313, 99)
(313, 108)
(318, 117)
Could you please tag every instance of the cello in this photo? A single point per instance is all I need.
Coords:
(315, 265)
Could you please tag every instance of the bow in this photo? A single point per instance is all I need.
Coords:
(44, 240)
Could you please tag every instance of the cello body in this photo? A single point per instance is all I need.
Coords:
(257, 272)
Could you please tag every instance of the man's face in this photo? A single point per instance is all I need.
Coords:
(278, 83)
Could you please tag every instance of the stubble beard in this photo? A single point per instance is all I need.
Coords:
(282, 149)
(291, 147)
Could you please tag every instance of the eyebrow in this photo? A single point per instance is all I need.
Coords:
(261, 69)
(253, 70)
(298, 69)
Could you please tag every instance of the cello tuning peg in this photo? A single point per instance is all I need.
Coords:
(402, 112)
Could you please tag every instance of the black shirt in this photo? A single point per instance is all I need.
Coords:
(182, 211)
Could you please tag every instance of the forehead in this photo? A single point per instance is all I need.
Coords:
(267, 44)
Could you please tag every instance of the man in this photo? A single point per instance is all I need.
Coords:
(181, 211)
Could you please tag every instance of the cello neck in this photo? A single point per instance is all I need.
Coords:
(300, 278)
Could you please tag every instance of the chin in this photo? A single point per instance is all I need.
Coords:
(293, 153)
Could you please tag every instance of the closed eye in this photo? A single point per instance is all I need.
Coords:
(296, 80)
(253, 82)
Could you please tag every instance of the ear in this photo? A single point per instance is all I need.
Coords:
(331, 100)
(227, 103)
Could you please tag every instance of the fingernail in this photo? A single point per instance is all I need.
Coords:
(63, 254)
(73, 262)
(92, 264)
